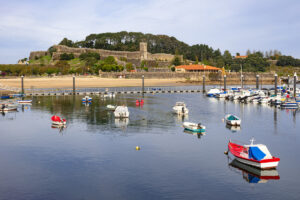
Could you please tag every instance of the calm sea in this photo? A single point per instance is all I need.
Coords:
(95, 156)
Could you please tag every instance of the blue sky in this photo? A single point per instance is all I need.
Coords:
(234, 25)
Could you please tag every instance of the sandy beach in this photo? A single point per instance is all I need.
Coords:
(85, 82)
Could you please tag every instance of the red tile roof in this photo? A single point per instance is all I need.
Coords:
(241, 56)
(198, 67)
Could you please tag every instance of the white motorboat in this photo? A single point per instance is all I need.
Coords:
(212, 92)
(232, 120)
(180, 108)
(194, 127)
(121, 112)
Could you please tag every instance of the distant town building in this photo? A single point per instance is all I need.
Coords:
(196, 68)
(241, 57)
(23, 62)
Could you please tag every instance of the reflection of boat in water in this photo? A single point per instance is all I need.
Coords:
(181, 118)
(58, 126)
(121, 122)
(253, 174)
(86, 103)
(194, 127)
(233, 128)
(199, 135)
(24, 101)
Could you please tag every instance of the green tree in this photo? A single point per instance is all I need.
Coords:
(176, 61)
(67, 42)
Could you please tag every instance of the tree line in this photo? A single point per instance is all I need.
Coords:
(129, 41)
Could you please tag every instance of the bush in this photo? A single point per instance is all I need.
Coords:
(66, 56)
(129, 67)
(85, 56)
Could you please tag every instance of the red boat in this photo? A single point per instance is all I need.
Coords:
(256, 155)
(56, 120)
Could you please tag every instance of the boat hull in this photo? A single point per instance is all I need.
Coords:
(233, 122)
(262, 164)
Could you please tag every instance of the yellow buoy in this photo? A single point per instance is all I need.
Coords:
(137, 148)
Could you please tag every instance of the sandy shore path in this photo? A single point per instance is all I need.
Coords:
(85, 82)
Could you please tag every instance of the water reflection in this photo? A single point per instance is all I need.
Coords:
(199, 135)
(233, 129)
(180, 118)
(61, 128)
(121, 122)
(253, 174)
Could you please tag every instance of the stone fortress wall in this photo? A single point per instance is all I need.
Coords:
(136, 57)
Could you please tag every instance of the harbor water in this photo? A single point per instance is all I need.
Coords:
(95, 156)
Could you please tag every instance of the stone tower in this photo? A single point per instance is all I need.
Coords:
(143, 51)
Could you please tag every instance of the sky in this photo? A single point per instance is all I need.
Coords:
(234, 25)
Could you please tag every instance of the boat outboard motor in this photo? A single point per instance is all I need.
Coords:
(182, 109)
(199, 125)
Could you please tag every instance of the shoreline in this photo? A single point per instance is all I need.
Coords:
(92, 81)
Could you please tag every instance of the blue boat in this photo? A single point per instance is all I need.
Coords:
(86, 99)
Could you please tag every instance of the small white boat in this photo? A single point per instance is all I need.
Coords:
(180, 108)
(121, 112)
(256, 155)
(194, 127)
(86, 99)
(111, 107)
(24, 101)
(109, 95)
(232, 120)
(212, 92)
(8, 107)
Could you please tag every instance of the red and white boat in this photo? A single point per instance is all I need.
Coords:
(256, 155)
(57, 121)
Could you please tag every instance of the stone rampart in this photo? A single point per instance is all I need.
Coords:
(37, 54)
(129, 55)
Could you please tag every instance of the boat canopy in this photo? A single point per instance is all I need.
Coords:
(256, 154)
(232, 117)
(55, 118)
